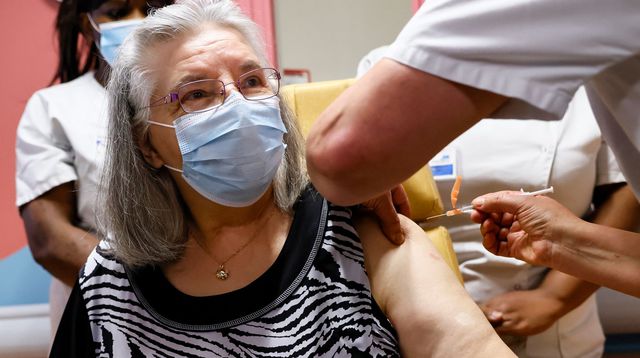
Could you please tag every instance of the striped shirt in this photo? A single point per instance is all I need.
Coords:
(314, 301)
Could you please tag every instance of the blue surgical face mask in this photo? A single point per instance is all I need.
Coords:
(112, 34)
(230, 154)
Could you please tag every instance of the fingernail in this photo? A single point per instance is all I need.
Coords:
(495, 315)
(478, 202)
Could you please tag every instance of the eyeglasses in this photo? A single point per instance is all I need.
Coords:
(202, 95)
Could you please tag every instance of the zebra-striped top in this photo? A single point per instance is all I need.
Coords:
(315, 300)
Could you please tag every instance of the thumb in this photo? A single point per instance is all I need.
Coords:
(400, 200)
(388, 217)
(494, 316)
(499, 202)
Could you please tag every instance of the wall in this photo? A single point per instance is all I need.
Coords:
(329, 37)
(27, 64)
(261, 11)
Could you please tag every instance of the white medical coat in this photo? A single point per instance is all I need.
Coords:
(538, 53)
(499, 154)
(60, 139)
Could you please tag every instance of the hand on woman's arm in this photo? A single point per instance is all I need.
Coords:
(386, 207)
(55, 243)
(422, 297)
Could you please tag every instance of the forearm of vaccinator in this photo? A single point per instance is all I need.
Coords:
(603, 255)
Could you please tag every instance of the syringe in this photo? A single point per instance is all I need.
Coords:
(453, 212)
(469, 208)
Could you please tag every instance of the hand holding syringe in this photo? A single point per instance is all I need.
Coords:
(469, 208)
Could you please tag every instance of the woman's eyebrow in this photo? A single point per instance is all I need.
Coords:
(249, 65)
(244, 67)
(188, 78)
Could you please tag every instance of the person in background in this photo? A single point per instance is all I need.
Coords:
(61, 136)
(539, 312)
(217, 245)
(542, 312)
(457, 62)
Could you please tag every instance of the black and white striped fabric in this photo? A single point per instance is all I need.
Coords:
(321, 304)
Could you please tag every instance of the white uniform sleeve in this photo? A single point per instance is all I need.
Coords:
(44, 157)
(536, 52)
(607, 169)
(371, 59)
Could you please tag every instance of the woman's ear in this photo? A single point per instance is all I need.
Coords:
(150, 155)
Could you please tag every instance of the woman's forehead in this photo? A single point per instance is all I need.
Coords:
(208, 52)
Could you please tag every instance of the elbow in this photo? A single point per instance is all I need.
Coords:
(39, 235)
(332, 168)
(41, 249)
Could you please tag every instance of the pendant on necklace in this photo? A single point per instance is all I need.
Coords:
(222, 274)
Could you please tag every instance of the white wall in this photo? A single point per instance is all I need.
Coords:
(25, 331)
(329, 37)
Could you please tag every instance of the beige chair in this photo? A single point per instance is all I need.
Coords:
(308, 100)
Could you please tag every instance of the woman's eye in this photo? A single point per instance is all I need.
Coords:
(252, 82)
(118, 13)
(197, 94)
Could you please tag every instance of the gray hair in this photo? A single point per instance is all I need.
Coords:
(144, 215)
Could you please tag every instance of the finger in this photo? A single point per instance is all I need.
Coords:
(490, 243)
(489, 226)
(495, 318)
(388, 218)
(499, 202)
(478, 216)
(400, 200)
(510, 325)
(515, 227)
(502, 234)
(507, 219)
(505, 328)
(489, 239)
(503, 248)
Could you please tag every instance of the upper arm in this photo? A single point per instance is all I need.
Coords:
(415, 260)
(54, 239)
(422, 297)
(47, 218)
(390, 121)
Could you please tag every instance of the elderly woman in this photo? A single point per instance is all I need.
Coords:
(217, 245)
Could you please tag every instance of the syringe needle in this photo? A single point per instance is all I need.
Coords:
(453, 212)
(436, 216)
(537, 192)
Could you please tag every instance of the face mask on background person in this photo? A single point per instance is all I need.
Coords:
(112, 34)
(230, 154)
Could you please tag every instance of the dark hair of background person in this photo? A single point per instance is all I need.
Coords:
(71, 45)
